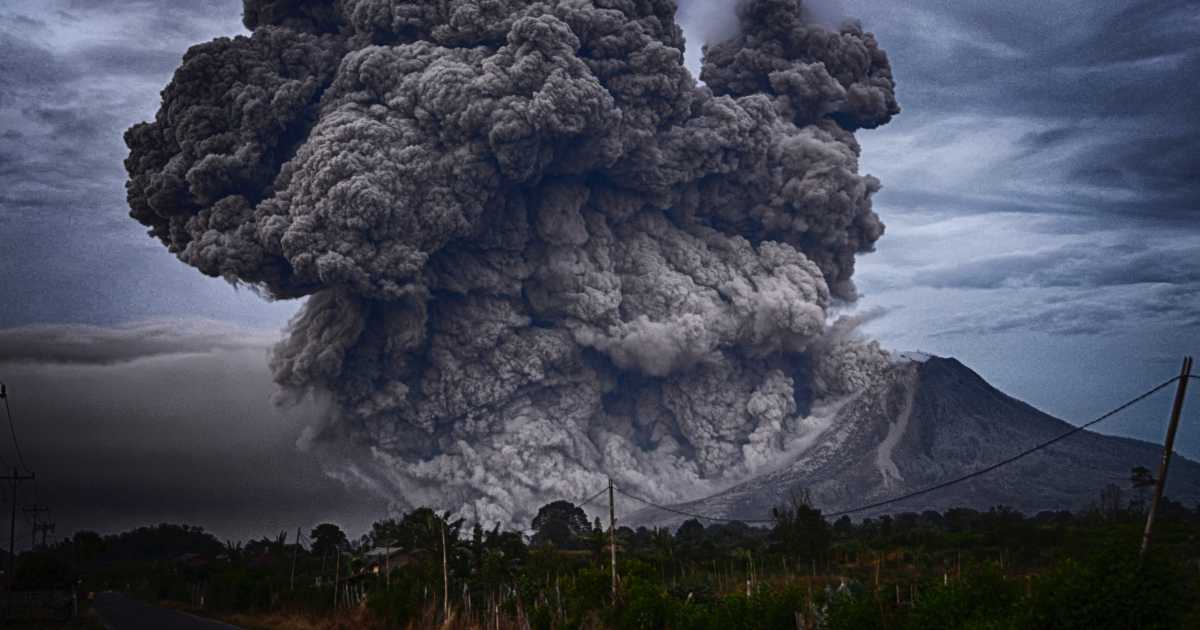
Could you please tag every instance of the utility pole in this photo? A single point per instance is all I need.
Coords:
(34, 510)
(295, 552)
(16, 478)
(1168, 446)
(612, 537)
(337, 574)
(44, 528)
(445, 578)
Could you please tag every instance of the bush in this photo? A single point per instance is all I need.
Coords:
(850, 612)
(1108, 590)
(43, 571)
(983, 597)
(646, 606)
(404, 600)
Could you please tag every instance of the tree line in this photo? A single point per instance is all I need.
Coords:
(957, 568)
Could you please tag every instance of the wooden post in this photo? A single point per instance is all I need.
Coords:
(337, 574)
(445, 577)
(295, 552)
(387, 565)
(16, 479)
(876, 572)
(810, 598)
(34, 510)
(750, 566)
(1169, 445)
(612, 537)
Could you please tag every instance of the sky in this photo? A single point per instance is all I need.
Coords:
(1041, 191)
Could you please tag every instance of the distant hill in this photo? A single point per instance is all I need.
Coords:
(932, 419)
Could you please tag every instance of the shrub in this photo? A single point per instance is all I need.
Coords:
(982, 597)
(1108, 590)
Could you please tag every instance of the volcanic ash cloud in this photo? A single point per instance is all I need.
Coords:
(535, 252)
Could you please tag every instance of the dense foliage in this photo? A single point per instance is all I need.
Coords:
(960, 568)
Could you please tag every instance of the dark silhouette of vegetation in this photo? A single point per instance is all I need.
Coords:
(328, 538)
(800, 531)
(561, 524)
(958, 569)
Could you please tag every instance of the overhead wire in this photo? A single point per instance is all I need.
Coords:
(934, 488)
(4, 396)
(691, 514)
(986, 469)
(13, 431)
(593, 497)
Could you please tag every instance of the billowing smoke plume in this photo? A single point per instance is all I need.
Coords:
(535, 251)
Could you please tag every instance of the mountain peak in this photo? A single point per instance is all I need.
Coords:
(929, 421)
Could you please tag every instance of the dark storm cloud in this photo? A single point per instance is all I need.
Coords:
(67, 138)
(1059, 319)
(1164, 171)
(1083, 265)
(27, 68)
(166, 20)
(116, 61)
(153, 423)
(84, 344)
(1131, 311)
(76, 123)
(22, 21)
(1110, 83)
(73, 75)
(1059, 59)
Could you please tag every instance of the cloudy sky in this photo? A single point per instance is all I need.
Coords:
(1042, 196)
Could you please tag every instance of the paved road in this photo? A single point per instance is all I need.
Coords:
(119, 612)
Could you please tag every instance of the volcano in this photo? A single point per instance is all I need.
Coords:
(930, 420)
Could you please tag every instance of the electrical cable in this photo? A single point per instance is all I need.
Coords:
(1005, 462)
(4, 395)
(593, 497)
(939, 486)
(13, 430)
(682, 513)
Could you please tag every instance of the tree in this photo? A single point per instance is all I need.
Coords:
(561, 524)
(690, 532)
(327, 538)
(1111, 501)
(385, 533)
(800, 529)
(1141, 480)
(477, 548)
(86, 546)
(421, 530)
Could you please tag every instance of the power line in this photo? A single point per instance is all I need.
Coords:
(12, 428)
(1005, 462)
(4, 395)
(682, 513)
(593, 497)
(939, 486)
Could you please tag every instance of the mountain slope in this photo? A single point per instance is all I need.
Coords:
(932, 420)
